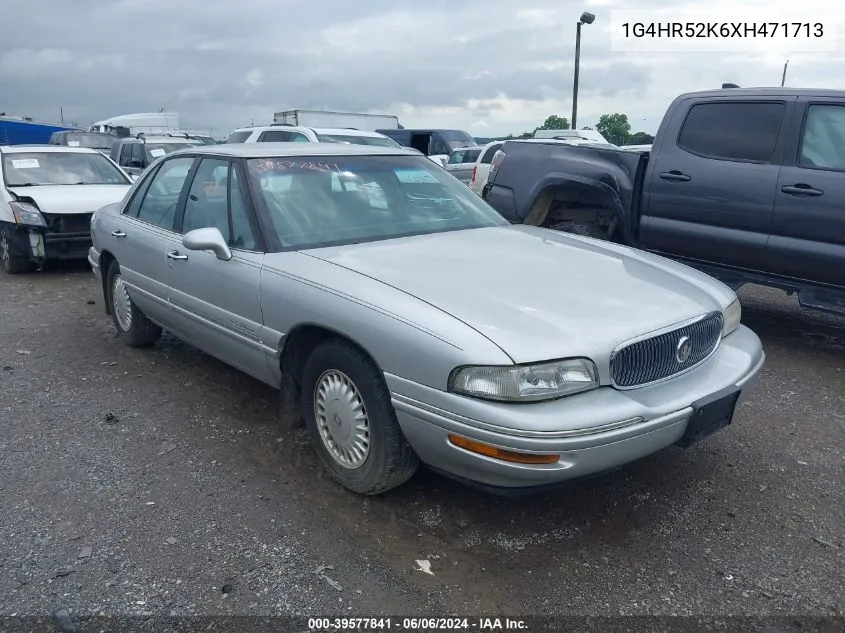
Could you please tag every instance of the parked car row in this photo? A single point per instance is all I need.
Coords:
(368, 285)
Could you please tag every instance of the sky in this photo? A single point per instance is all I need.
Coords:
(490, 67)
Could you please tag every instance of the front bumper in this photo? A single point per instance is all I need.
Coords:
(39, 244)
(591, 432)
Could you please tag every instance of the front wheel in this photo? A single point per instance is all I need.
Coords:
(132, 325)
(351, 421)
(13, 262)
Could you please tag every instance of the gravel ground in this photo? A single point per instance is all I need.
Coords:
(155, 482)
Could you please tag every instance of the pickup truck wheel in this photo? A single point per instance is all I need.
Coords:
(351, 421)
(13, 262)
(587, 229)
(132, 325)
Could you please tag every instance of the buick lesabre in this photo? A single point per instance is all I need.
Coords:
(406, 321)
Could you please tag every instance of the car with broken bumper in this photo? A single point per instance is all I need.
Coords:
(47, 196)
(406, 321)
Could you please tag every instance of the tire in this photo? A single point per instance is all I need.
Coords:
(587, 229)
(132, 325)
(338, 368)
(13, 262)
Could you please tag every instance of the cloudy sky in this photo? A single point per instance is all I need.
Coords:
(490, 67)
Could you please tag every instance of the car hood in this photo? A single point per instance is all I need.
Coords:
(538, 294)
(67, 199)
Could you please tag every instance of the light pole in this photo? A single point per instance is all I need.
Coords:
(586, 18)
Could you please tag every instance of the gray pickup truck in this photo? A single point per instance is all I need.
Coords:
(747, 184)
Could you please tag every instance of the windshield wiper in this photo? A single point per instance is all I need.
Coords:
(24, 184)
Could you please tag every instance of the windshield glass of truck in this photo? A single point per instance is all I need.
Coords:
(157, 150)
(94, 141)
(31, 169)
(312, 202)
(358, 140)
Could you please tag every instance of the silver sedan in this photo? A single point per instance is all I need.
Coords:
(406, 321)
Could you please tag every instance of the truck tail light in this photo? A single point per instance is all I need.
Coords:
(498, 159)
(472, 178)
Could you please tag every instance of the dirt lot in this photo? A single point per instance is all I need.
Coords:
(155, 481)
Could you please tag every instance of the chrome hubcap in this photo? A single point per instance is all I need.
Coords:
(120, 303)
(342, 419)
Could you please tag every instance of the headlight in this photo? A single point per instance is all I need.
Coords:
(526, 383)
(27, 214)
(731, 317)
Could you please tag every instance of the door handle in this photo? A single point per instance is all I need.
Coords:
(118, 233)
(176, 255)
(801, 190)
(674, 175)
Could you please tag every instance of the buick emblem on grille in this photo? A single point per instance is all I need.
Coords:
(683, 349)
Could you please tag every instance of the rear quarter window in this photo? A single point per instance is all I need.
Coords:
(732, 130)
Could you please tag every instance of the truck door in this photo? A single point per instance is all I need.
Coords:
(710, 186)
(808, 229)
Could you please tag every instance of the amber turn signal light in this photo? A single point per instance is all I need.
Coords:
(501, 453)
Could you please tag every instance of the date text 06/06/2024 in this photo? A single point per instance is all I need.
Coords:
(416, 624)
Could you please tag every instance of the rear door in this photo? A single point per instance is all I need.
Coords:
(711, 184)
(808, 230)
(216, 302)
(142, 235)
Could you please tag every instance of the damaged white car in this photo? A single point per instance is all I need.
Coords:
(47, 196)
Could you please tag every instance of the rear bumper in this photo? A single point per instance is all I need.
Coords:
(594, 432)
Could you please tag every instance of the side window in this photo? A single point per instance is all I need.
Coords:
(159, 204)
(274, 136)
(438, 146)
(242, 234)
(125, 155)
(131, 209)
(730, 130)
(297, 137)
(491, 151)
(823, 140)
(207, 205)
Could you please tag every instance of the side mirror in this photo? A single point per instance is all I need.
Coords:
(207, 239)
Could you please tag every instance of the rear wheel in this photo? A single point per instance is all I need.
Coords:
(351, 421)
(132, 325)
(13, 261)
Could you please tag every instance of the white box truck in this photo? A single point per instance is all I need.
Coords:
(326, 119)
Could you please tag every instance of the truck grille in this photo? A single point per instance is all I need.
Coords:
(68, 223)
(661, 356)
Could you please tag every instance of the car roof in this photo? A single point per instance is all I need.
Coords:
(43, 149)
(272, 150)
(317, 130)
(766, 92)
(158, 139)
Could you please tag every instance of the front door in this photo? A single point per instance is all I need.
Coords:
(140, 237)
(710, 196)
(808, 231)
(216, 302)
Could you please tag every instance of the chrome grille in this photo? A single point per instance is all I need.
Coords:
(656, 358)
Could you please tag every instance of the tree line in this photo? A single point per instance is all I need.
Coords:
(614, 127)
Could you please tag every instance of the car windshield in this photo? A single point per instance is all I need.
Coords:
(157, 150)
(313, 202)
(380, 141)
(239, 137)
(30, 169)
(89, 139)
